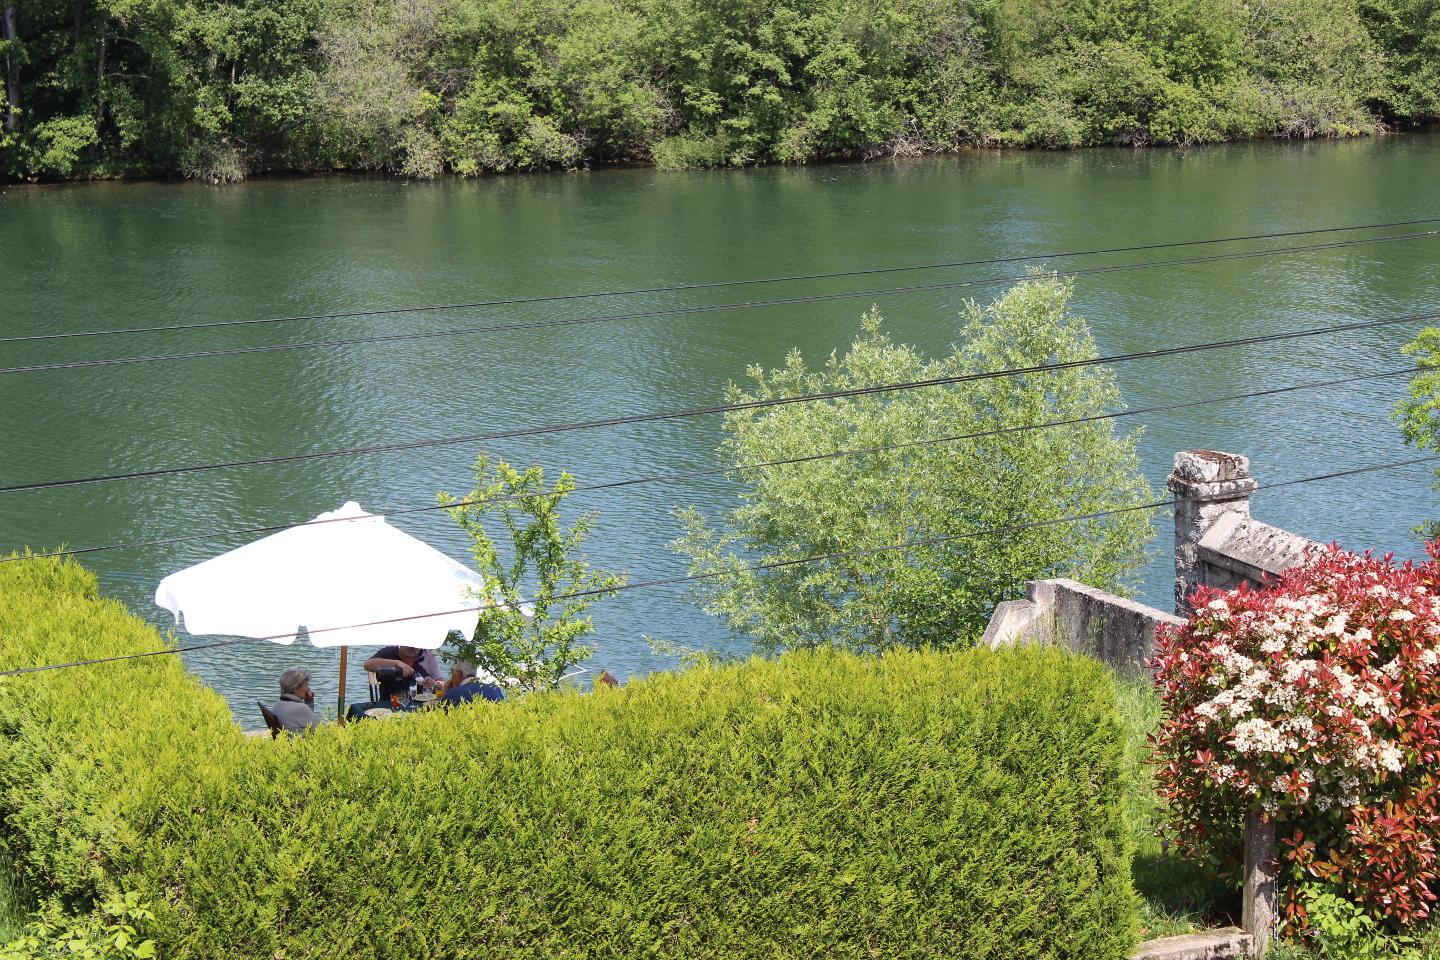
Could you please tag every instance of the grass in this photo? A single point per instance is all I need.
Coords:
(1176, 895)
(12, 902)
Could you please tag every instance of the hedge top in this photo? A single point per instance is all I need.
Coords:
(823, 804)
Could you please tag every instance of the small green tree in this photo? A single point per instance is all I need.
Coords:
(1419, 413)
(533, 629)
(939, 594)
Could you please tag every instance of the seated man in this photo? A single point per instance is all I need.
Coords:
(466, 686)
(296, 709)
(399, 667)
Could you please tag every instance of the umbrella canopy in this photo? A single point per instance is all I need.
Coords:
(320, 576)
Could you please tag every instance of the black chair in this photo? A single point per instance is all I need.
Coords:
(271, 721)
(388, 681)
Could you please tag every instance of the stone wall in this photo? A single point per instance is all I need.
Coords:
(1217, 543)
(1121, 632)
(1243, 550)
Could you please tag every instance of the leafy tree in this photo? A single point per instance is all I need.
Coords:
(1419, 413)
(936, 594)
(1409, 33)
(217, 89)
(533, 629)
(374, 107)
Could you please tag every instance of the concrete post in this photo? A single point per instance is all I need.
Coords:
(1207, 485)
(1260, 906)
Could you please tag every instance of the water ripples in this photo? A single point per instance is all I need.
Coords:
(107, 255)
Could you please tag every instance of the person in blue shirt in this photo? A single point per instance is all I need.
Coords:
(465, 686)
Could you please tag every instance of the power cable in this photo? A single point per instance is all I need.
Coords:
(748, 568)
(724, 471)
(722, 408)
(688, 311)
(680, 288)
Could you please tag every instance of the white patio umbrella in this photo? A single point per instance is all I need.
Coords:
(343, 568)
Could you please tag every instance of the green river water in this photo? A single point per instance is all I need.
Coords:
(102, 256)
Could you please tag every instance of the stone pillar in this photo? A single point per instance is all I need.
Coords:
(1207, 485)
(1260, 903)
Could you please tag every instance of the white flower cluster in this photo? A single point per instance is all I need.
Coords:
(1260, 736)
(1312, 724)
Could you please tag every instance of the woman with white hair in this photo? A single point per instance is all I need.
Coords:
(465, 685)
(296, 709)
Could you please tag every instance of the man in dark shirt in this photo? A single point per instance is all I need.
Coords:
(465, 686)
(397, 668)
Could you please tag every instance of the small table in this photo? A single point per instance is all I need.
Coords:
(356, 711)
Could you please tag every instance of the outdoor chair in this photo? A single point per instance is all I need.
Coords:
(271, 721)
(385, 681)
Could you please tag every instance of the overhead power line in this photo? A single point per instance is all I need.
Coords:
(748, 568)
(613, 485)
(685, 287)
(517, 432)
(690, 311)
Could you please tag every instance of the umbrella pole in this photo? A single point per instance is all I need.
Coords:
(340, 708)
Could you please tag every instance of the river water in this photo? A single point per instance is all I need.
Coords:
(102, 256)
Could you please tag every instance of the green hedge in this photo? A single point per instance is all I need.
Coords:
(823, 805)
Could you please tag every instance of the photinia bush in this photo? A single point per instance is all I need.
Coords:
(1314, 700)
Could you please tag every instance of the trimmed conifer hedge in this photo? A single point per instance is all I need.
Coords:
(914, 805)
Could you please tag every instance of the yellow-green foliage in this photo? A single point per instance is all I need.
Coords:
(915, 805)
(92, 759)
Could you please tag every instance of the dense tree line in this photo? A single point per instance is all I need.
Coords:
(218, 89)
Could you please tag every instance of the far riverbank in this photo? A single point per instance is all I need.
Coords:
(877, 156)
(464, 87)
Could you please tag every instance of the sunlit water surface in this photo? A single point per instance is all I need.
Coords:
(103, 256)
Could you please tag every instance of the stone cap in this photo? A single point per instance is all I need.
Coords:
(1211, 476)
(1210, 466)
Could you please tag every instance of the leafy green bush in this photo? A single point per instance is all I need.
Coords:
(91, 759)
(688, 151)
(534, 641)
(919, 804)
(108, 933)
(56, 146)
(1342, 930)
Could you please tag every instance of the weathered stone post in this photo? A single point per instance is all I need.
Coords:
(1207, 485)
(1260, 903)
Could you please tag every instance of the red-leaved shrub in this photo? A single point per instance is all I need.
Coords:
(1316, 700)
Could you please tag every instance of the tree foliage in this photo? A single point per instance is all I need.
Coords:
(941, 591)
(536, 616)
(1419, 413)
(220, 88)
